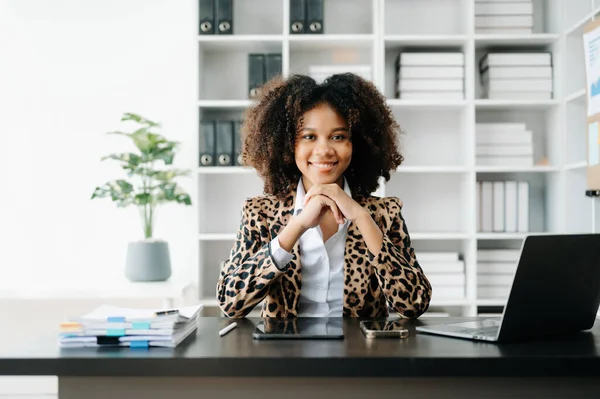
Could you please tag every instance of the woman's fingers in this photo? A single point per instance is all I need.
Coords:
(334, 208)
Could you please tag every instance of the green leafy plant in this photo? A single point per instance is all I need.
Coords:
(150, 185)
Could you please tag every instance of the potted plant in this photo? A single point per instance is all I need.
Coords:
(150, 185)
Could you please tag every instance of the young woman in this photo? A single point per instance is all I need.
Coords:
(317, 243)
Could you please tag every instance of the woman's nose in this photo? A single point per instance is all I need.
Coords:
(323, 148)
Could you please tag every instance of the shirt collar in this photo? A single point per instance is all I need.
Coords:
(301, 193)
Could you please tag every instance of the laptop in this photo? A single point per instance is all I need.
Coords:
(555, 290)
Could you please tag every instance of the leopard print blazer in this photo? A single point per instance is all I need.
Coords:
(393, 279)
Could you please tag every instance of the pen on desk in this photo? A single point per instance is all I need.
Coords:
(227, 329)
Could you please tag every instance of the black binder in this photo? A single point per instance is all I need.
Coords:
(206, 143)
(237, 142)
(297, 16)
(224, 151)
(224, 17)
(314, 16)
(206, 14)
(272, 66)
(256, 73)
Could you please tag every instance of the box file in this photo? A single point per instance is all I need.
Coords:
(237, 142)
(297, 16)
(256, 73)
(272, 66)
(314, 16)
(206, 144)
(206, 16)
(224, 17)
(224, 143)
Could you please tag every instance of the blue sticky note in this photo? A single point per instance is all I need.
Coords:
(139, 344)
(115, 332)
(140, 326)
(115, 319)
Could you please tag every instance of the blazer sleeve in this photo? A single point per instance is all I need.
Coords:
(249, 271)
(400, 276)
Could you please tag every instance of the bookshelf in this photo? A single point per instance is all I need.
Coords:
(437, 182)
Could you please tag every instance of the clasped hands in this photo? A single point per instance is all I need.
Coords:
(324, 197)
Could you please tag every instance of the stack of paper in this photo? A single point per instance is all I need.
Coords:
(436, 75)
(446, 273)
(321, 72)
(524, 75)
(504, 16)
(503, 144)
(495, 272)
(108, 326)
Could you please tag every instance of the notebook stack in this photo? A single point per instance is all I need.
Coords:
(320, 72)
(495, 272)
(434, 75)
(109, 326)
(446, 273)
(503, 144)
(502, 16)
(503, 206)
(516, 76)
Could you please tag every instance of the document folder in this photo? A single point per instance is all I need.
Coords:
(224, 152)
(206, 143)
(225, 17)
(206, 14)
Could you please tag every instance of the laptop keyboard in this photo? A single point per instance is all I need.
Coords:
(487, 327)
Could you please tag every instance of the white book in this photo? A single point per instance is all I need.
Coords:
(427, 72)
(431, 59)
(498, 206)
(503, 149)
(523, 207)
(505, 30)
(479, 216)
(517, 8)
(438, 256)
(499, 138)
(518, 95)
(441, 267)
(498, 255)
(510, 206)
(521, 59)
(494, 279)
(504, 161)
(446, 279)
(495, 21)
(493, 292)
(430, 85)
(448, 292)
(500, 127)
(486, 206)
(517, 72)
(517, 84)
(496, 268)
(428, 95)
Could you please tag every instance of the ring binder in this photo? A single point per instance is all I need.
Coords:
(297, 16)
(206, 13)
(225, 17)
(314, 16)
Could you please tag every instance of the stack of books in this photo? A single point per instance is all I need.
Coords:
(518, 75)
(495, 272)
(427, 75)
(320, 72)
(503, 206)
(502, 16)
(109, 326)
(503, 144)
(446, 273)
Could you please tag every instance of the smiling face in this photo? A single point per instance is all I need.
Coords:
(323, 148)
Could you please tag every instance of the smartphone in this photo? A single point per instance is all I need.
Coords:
(392, 329)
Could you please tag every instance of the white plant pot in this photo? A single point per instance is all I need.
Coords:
(148, 260)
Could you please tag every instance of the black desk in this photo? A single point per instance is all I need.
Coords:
(420, 366)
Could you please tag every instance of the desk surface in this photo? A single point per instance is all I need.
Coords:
(238, 355)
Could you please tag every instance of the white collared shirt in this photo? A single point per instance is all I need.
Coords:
(322, 265)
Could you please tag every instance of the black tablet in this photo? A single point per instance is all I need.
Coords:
(300, 328)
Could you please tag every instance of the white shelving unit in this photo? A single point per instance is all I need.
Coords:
(437, 182)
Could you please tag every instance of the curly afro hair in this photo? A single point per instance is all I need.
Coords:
(270, 127)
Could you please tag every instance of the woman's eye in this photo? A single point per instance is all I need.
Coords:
(338, 137)
(308, 137)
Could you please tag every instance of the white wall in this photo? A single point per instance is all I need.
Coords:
(68, 70)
